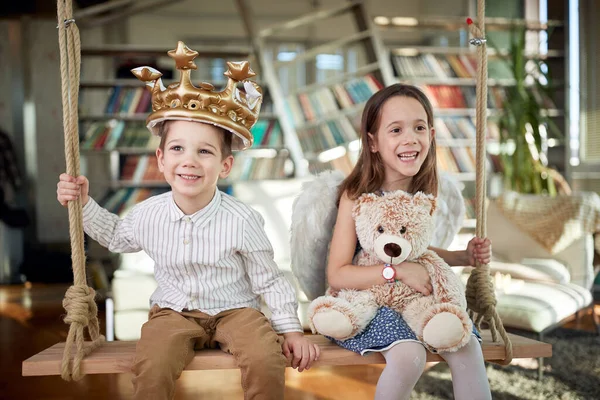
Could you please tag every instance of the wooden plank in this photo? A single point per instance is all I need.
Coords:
(117, 357)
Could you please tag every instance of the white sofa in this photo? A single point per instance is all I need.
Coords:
(543, 289)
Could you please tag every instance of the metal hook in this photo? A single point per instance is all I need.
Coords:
(477, 41)
(67, 22)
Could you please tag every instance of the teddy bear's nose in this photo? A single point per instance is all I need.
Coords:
(392, 250)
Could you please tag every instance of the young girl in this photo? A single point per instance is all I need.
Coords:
(398, 153)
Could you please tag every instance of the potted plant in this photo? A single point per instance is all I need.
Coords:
(524, 122)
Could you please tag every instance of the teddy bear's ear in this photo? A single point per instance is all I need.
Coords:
(427, 201)
(366, 198)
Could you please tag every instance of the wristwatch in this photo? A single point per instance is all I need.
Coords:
(389, 273)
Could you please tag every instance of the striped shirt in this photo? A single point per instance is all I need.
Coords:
(217, 259)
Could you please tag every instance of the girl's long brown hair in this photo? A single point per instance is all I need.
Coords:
(368, 173)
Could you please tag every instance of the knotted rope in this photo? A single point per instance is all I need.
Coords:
(481, 298)
(79, 301)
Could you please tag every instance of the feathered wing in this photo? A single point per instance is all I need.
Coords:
(313, 216)
(449, 213)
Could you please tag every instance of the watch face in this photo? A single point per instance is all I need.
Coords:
(388, 272)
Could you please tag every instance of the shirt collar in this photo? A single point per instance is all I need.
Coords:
(201, 215)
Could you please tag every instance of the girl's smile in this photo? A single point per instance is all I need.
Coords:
(408, 156)
(402, 140)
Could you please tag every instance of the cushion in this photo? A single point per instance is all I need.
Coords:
(535, 306)
(138, 262)
(128, 324)
(533, 269)
(513, 245)
(131, 290)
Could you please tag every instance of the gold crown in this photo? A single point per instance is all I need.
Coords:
(231, 109)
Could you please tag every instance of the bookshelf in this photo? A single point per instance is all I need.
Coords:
(447, 74)
(113, 112)
(320, 115)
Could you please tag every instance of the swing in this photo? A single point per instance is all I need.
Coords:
(75, 357)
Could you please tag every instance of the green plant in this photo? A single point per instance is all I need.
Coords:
(524, 122)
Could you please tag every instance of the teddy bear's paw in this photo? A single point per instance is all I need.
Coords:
(444, 331)
(333, 323)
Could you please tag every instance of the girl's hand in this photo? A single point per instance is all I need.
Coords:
(479, 250)
(70, 188)
(414, 275)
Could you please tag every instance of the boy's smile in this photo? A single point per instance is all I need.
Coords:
(189, 177)
(192, 163)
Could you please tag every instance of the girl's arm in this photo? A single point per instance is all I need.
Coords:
(477, 250)
(342, 274)
(456, 258)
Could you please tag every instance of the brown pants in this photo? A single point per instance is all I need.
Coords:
(169, 339)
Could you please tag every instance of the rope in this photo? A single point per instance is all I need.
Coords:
(480, 294)
(79, 301)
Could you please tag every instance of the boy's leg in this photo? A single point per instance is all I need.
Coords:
(248, 335)
(164, 349)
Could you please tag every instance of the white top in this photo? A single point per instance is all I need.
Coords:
(214, 260)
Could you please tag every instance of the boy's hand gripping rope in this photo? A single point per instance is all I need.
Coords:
(79, 301)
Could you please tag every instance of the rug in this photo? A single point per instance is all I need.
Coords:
(573, 373)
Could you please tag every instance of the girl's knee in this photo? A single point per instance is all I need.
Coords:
(408, 354)
(472, 350)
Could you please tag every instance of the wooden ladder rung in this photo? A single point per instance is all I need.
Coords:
(117, 357)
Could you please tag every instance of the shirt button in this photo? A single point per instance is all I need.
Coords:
(186, 241)
(188, 219)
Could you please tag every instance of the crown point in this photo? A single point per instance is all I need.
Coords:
(234, 108)
(469, 21)
(183, 56)
(239, 70)
(146, 74)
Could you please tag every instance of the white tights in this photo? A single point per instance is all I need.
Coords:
(405, 363)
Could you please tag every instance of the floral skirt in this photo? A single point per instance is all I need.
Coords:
(387, 329)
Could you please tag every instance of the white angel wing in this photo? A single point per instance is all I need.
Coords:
(449, 213)
(313, 217)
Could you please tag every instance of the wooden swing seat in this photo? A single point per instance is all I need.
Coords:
(117, 357)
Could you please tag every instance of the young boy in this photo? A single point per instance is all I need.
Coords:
(212, 258)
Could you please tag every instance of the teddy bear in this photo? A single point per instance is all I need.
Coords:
(391, 228)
